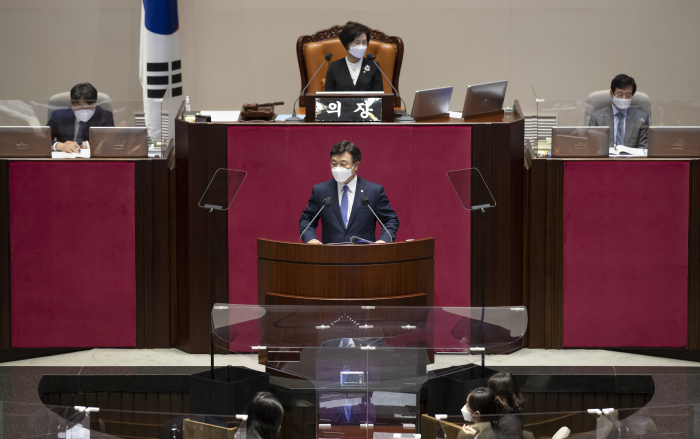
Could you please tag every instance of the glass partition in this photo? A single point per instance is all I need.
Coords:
(37, 113)
(670, 127)
(38, 421)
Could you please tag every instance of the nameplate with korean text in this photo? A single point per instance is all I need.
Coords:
(348, 109)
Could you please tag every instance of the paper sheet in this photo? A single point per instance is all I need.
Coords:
(393, 398)
(84, 154)
(222, 116)
(455, 114)
(283, 117)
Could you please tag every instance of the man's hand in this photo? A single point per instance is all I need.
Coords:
(314, 241)
(69, 146)
(380, 242)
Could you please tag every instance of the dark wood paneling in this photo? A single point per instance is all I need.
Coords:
(346, 281)
(497, 152)
(282, 299)
(5, 315)
(343, 254)
(694, 258)
(544, 252)
(209, 143)
(554, 255)
(144, 252)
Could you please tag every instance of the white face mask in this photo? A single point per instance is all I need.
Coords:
(357, 51)
(622, 104)
(84, 115)
(466, 414)
(341, 174)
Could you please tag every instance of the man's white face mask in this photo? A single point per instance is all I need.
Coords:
(84, 115)
(341, 174)
(622, 104)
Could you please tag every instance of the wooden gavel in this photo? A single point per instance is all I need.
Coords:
(250, 107)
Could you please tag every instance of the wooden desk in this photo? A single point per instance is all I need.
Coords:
(645, 213)
(86, 193)
(399, 274)
(202, 148)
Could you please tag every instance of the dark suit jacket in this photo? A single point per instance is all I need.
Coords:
(338, 77)
(636, 126)
(361, 223)
(62, 123)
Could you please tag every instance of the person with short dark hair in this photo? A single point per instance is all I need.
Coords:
(354, 72)
(346, 216)
(481, 409)
(71, 127)
(629, 126)
(265, 415)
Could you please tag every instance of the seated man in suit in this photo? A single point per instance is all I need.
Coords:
(70, 127)
(628, 126)
(346, 216)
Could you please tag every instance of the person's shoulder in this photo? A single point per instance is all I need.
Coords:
(368, 184)
(62, 114)
(324, 184)
(335, 64)
(601, 111)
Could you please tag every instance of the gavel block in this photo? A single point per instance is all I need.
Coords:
(259, 112)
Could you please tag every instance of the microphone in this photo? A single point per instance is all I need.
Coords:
(294, 117)
(402, 119)
(326, 203)
(365, 202)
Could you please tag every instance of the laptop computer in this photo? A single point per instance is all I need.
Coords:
(118, 142)
(580, 142)
(25, 142)
(484, 98)
(433, 102)
(674, 142)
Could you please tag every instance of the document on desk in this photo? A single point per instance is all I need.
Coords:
(393, 399)
(222, 116)
(83, 154)
(626, 151)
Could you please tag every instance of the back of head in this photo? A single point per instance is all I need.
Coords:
(483, 400)
(264, 417)
(507, 391)
(83, 92)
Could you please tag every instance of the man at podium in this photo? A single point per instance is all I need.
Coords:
(346, 216)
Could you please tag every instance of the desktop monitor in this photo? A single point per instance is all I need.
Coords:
(434, 102)
(484, 99)
(580, 142)
(29, 142)
(674, 142)
(118, 142)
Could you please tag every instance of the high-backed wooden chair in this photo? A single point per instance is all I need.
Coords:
(312, 48)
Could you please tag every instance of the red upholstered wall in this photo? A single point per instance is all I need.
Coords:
(625, 253)
(283, 163)
(73, 269)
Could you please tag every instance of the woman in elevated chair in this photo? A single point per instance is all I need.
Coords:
(354, 72)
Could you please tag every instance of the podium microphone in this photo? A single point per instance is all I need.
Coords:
(402, 119)
(294, 117)
(326, 203)
(365, 202)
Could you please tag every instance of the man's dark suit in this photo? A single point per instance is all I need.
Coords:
(338, 77)
(361, 223)
(62, 123)
(636, 126)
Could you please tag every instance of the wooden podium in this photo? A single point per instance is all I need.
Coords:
(398, 274)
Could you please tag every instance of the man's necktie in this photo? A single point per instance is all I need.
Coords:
(344, 206)
(79, 134)
(620, 133)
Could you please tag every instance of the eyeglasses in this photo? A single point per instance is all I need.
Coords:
(621, 95)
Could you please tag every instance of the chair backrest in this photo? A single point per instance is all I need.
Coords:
(312, 48)
(599, 99)
(62, 100)
(562, 433)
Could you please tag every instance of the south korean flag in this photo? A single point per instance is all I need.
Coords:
(160, 69)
